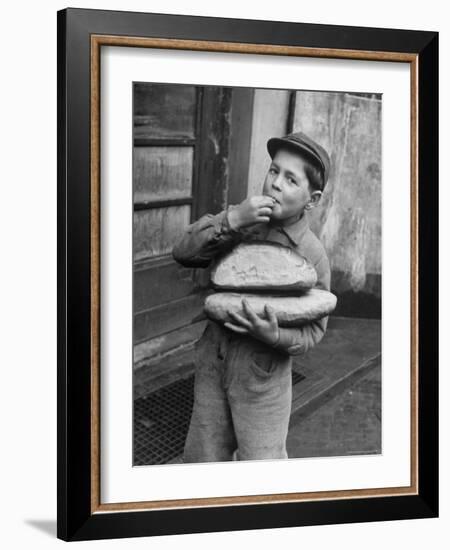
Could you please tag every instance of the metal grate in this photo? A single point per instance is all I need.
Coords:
(161, 421)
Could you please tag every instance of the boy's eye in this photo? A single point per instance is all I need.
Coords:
(292, 180)
(272, 170)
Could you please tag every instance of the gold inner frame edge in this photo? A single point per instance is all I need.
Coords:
(264, 49)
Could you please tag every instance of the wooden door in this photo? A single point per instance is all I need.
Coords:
(179, 173)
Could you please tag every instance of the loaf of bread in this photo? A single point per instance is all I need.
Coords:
(289, 310)
(263, 266)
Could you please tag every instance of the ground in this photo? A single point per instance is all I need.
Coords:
(336, 406)
(348, 424)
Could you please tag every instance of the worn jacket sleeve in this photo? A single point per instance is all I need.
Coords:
(205, 239)
(298, 340)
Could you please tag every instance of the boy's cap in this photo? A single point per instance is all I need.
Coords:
(303, 144)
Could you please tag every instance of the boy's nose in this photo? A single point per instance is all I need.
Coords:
(276, 184)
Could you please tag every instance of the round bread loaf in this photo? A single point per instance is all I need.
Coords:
(289, 310)
(263, 266)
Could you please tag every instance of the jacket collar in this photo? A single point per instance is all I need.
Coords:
(296, 230)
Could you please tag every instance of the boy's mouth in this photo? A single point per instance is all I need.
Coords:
(275, 199)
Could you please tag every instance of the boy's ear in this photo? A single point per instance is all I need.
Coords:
(314, 199)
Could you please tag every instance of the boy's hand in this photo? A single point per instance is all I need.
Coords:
(253, 210)
(262, 328)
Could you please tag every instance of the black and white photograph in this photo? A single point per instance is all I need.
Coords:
(257, 273)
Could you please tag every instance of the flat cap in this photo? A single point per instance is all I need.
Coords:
(304, 144)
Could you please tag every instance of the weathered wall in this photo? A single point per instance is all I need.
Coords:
(348, 219)
(270, 114)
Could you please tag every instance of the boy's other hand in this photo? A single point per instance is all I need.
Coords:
(253, 210)
(264, 328)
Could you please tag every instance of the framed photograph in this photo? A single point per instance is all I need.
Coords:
(247, 274)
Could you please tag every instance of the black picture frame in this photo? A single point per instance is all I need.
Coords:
(79, 518)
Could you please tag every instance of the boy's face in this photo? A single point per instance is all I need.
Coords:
(287, 183)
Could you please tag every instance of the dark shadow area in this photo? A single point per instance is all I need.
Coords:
(364, 303)
(358, 305)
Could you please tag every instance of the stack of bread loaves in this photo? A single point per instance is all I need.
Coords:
(267, 273)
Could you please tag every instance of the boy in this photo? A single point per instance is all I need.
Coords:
(243, 382)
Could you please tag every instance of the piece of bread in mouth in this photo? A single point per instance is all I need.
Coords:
(263, 266)
(289, 310)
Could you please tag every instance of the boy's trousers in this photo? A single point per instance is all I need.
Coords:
(242, 399)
